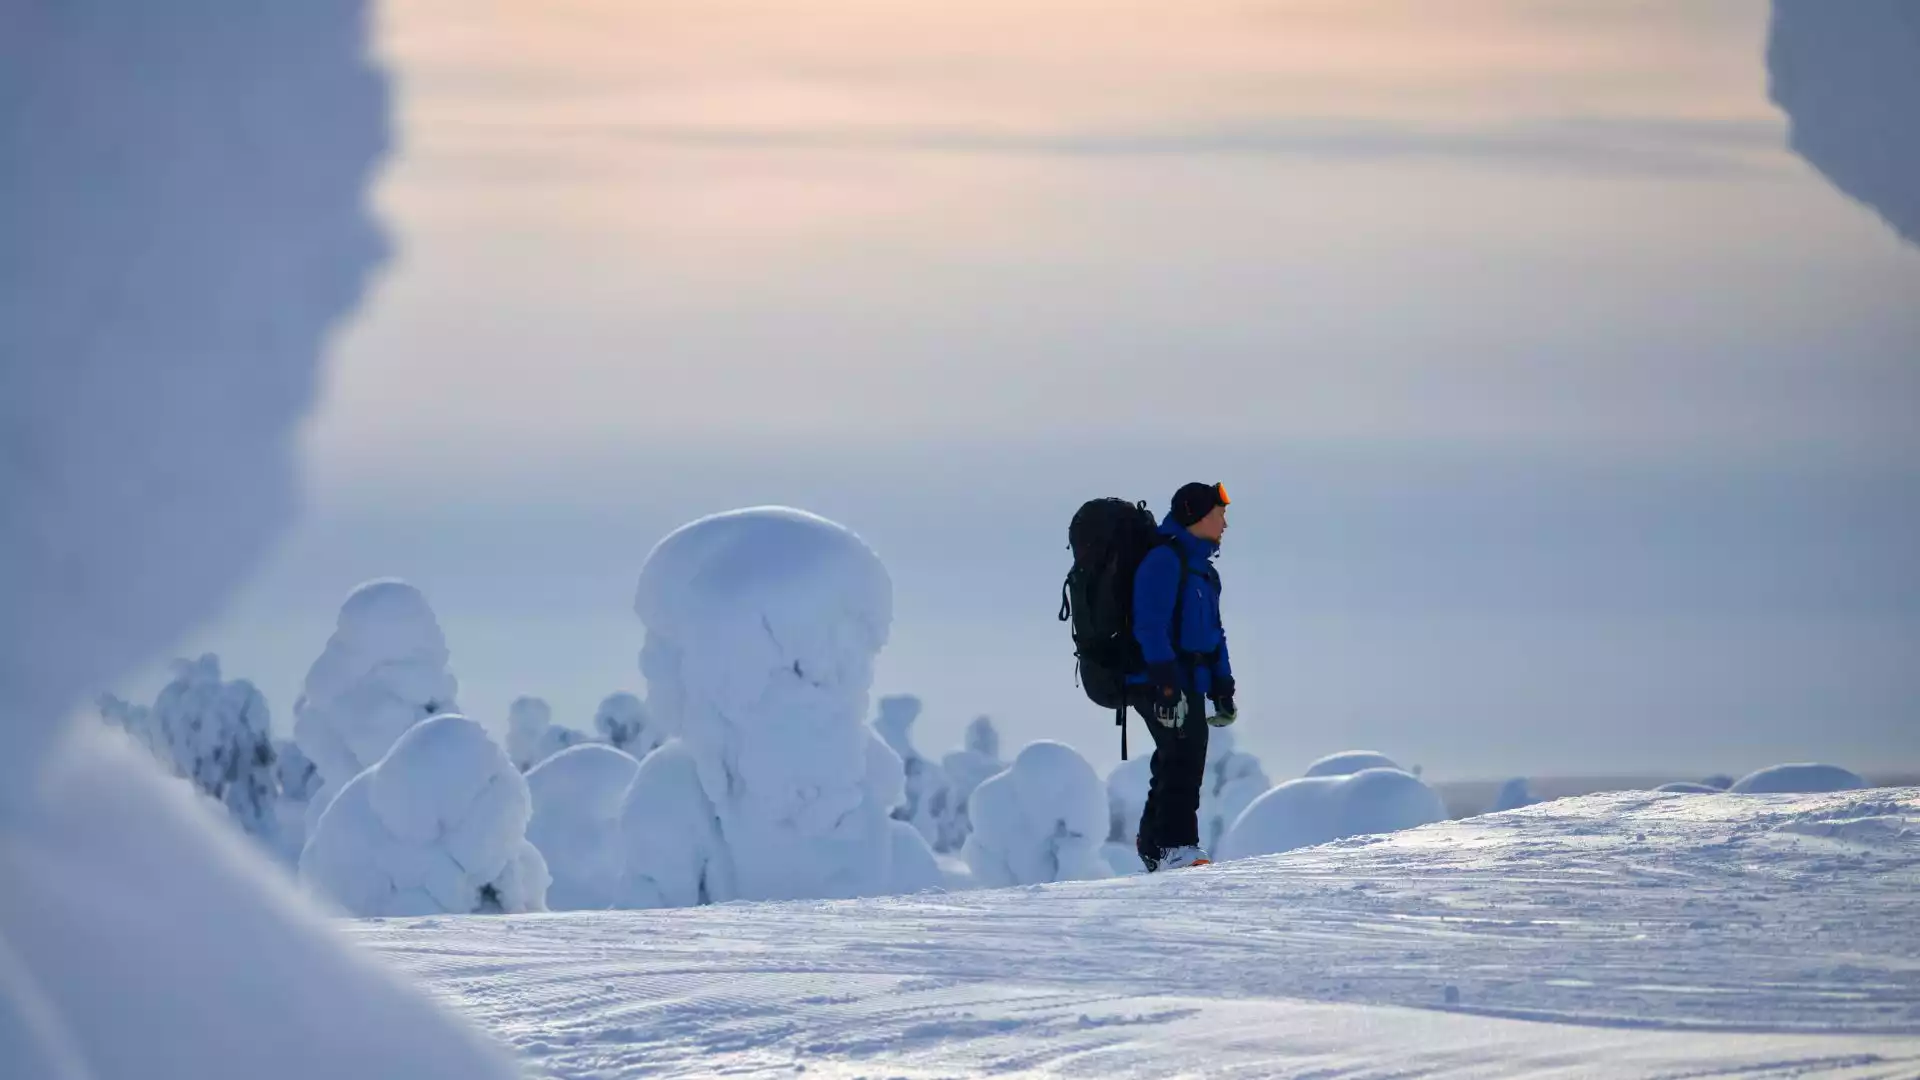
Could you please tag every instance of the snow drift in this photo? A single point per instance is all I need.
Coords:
(762, 630)
(578, 796)
(177, 301)
(1791, 779)
(438, 826)
(1848, 77)
(383, 671)
(1043, 819)
(1317, 809)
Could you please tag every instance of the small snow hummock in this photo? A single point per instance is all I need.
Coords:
(578, 797)
(1348, 762)
(966, 769)
(438, 826)
(214, 734)
(622, 722)
(1317, 809)
(1802, 777)
(532, 736)
(1042, 819)
(927, 798)
(383, 671)
(1233, 780)
(1688, 787)
(763, 626)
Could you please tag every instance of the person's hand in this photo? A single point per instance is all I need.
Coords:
(1169, 704)
(1223, 711)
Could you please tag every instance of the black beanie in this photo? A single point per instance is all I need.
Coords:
(1195, 501)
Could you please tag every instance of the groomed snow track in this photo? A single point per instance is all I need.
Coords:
(1618, 935)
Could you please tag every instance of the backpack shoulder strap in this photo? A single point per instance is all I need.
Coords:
(1179, 593)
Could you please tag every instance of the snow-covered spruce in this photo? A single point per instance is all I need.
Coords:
(383, 671)
(623, 723)
(1348, 762)
(926, 796)
(1044, 818)
(1513, 795)
(1127, 787)
(1796, 778)
(1317, 809)
(298, 780)
(1233, 780)
(215, 735)
(532, 736)
(438, 826)
(762, 629)
(578, 795)
(162, 326)
(966, 769)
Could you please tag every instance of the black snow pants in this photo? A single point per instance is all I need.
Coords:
(1172, 816)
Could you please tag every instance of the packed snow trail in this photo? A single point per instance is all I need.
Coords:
(1658, 934)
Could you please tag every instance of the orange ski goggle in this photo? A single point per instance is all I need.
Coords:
(1221, 490)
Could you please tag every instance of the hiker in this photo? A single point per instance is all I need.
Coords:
(1176, 622)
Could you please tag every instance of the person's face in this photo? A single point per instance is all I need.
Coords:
(1212, 527)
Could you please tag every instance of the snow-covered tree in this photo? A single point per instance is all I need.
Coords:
(383, 671)
(1233, 780)
(214, 734)
(1042, 819)
(762, 630)
(1127, 787)
(926, 795)
(532, 736)
(622, 721)
(1317, 809)
(966, 769)
(578, 796)
(437, 826)
(1348, 762)
(1514, 794)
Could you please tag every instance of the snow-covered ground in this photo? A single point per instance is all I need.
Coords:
(1632, 934)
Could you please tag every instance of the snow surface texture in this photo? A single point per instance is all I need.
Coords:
(186, 220)
(1848, 77)
(1233, 781)
(213, 734)
(532, 736)
(927, 799)
(622, 721)
(762, 630)
(1348, 762)
(1318, 809)
(1043, 819)
(1788, 779)
(383, 671)
(966, 769)
(438, 826)
(578, 796)
(1627, 935)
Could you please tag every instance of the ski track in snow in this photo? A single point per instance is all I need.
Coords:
(1660, 935)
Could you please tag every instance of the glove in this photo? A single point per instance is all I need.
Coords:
(1223, 688)
(1169, 704)
(1223, 711)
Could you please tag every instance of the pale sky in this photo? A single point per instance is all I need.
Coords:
(1569, 416)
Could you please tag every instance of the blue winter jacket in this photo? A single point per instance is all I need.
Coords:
(1201, 630)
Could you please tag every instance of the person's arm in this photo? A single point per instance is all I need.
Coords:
(1155, 586)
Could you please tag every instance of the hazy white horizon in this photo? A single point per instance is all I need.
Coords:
(1568, 414)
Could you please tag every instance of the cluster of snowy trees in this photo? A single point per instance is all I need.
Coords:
(749, 771)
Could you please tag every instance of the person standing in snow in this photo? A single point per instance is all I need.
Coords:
(1176, 620)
